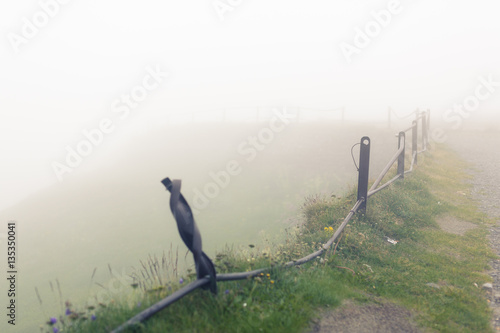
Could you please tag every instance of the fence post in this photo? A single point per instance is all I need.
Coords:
(401, 157)
(424, 132)
(428, 126)
(414, 144)
(364, 166)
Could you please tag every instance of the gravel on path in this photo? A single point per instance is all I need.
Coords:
(482, 151)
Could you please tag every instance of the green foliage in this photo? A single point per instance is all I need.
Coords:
(364, 265)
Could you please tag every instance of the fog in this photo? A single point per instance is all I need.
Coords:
(64, 76)
(100, 101)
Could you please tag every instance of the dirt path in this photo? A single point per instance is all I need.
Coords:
(380, 317)
(369, 318)
(483, 151)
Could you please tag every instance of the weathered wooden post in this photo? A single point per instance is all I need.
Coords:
(414, 143)
(401, 157)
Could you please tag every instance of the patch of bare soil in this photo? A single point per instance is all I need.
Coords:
(453, 225)
(369, 318)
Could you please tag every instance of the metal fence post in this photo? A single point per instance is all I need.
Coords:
(401, 157)
(424, 132)
(428, 126)
(364, 166)
(414, 144)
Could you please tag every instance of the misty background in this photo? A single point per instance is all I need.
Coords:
(207, 76)
(283, 53)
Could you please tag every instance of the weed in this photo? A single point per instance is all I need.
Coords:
(395, 251)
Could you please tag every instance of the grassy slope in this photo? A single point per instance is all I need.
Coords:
(286, 300)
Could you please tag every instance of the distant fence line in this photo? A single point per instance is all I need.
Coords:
(259, 114)
(206, 274)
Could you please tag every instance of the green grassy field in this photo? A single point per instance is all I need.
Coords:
(363, 267)
(116, 213)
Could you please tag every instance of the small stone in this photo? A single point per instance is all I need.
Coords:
(433, 285)
(488, 286)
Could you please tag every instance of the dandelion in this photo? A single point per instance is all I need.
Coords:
(53, 320)
(181, 281)
(272, 281)
(326, 228)
(93, 317)
(330, 228)
(261, 274)
(268, 275)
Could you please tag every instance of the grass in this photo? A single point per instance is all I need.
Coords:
(363, 266)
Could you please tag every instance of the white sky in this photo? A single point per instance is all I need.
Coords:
(265, 53)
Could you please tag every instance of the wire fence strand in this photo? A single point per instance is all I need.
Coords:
(208, 280)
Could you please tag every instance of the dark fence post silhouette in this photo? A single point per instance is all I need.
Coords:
(364, 166)
(401, 158)
(427, 127)
(414, 143)
(424, 132)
